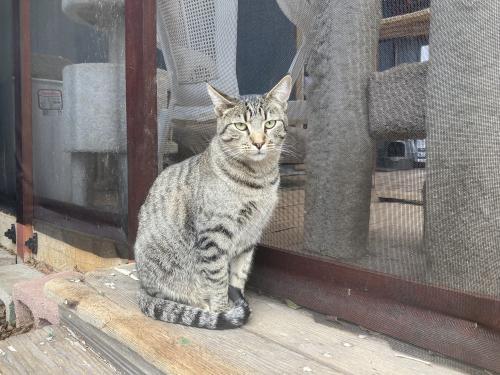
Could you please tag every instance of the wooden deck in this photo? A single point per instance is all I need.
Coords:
(405, 186)
(279, 339)
(396, 224)
(286, 229)
(50, 350)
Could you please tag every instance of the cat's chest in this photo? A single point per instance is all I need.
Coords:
(249, 214)
(251, 218)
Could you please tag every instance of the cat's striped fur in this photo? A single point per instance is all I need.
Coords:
(202, 217)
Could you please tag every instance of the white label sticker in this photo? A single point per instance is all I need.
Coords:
(50, 100)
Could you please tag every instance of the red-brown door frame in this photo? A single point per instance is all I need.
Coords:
(140, 68)
(23, 126)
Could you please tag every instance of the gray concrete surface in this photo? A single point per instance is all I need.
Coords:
(97, 116)
(10, 275)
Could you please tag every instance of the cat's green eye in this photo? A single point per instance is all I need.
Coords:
(270, 124)
(240, 126)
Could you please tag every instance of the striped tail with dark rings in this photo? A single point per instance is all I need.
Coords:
(178, 313)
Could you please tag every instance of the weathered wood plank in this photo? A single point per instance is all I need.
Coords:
(276, 340)
(407, 25)
(120, 356)
(50, 350)
(405, 185)
(345, 346)
(174, 348)
(66, 250)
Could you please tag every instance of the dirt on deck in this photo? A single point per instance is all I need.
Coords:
(6, 330)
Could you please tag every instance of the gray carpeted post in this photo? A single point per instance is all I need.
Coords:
(339, 154)
(463, 126)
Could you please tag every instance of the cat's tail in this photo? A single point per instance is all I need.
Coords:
(174, 312)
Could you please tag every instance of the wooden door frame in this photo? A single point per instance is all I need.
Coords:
(23, 124)
(142, 143)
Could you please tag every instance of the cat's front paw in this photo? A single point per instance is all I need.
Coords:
(242, 302)
(235, 294)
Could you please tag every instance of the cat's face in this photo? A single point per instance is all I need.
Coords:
(253, 128)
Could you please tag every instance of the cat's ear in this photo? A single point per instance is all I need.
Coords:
(281, 92)
(221, 101)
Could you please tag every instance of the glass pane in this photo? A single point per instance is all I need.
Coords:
(79, 119)
(7, 128)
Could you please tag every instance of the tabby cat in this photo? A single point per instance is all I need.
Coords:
(203, 216)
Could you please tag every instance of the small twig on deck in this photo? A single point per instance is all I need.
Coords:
(413, 359)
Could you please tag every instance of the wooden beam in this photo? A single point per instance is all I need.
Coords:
(140, 67)
(407, 25)
(23, 124)
(456, 324)
(476, 308)
(156, 342)
(22, 110)
(299, 84)
(116, 353)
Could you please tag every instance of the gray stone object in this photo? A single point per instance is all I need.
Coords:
(10, 275)
(339, 150)
(104, 15)
(94, 107)
(462, 226)
(397, 101)
(48, 66)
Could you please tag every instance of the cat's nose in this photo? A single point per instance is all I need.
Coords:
(258, 139)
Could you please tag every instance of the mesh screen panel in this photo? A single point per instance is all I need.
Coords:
(354, 172)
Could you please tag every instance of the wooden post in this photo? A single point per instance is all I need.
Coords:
(140, 75)
(23, 125)
(406, 25)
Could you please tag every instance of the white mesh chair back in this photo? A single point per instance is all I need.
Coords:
(198, 41)
(301, 14)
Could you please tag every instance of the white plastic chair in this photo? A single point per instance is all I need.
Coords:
(300, 13)
(198, 41)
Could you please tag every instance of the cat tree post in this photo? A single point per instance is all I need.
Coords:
(339, 154)
(463, 127)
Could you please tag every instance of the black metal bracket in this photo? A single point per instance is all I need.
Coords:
(11, 233)
(32, 243)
